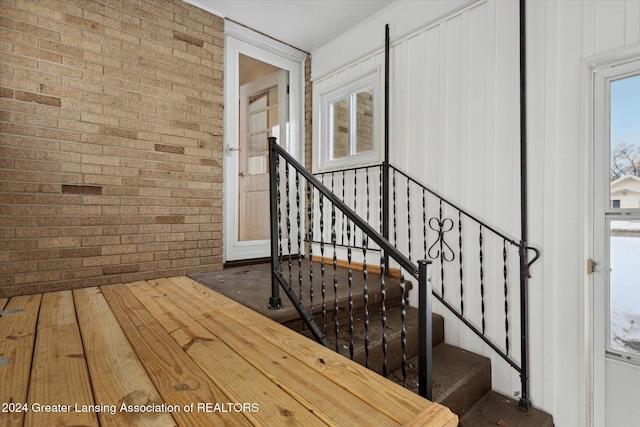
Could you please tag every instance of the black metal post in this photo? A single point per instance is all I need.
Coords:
(524, 403)
(385, 163)
(425, 331)
(275, 302)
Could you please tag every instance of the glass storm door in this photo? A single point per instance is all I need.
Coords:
(616, 273)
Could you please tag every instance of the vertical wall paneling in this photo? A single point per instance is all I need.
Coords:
(632, 22)
(455, 110)
(610, 29)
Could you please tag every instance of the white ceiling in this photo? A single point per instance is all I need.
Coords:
(304, 24)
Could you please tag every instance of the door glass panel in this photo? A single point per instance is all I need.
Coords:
(625, 143)
(262, 122)
(624, 286)
(624, 232)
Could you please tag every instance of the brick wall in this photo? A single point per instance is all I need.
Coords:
(111, 142)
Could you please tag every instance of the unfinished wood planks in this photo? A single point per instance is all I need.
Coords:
(17, 338)
(317, 392)
(117, 375)
(59, 375)
(237, 378)
(389, 398)
(178, 379)
(171, 343)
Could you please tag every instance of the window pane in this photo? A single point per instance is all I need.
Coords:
(340, 137)
(364, 120)
(624, 286)
(625, 143)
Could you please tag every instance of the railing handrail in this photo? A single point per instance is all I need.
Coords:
(383, 243)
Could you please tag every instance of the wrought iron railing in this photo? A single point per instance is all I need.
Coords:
(298, 205)
(471, 259)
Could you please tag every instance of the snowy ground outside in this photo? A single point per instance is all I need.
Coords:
(625, 287)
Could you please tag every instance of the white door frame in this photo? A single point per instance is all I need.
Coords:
(592, 365)
(241, 40)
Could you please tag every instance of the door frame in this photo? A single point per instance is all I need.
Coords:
(592, 365)
(242, 40)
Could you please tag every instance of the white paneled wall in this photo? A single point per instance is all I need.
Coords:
(455, 126)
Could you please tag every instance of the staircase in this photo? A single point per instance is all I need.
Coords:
(462, 380)
(310, 221)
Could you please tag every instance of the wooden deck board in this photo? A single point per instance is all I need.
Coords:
(335, 405)
(238, 379)
(172, 342)
(389, 398)
(117, 376)
(178, 379)
(3, 302)
(59, 375)
(17, 338)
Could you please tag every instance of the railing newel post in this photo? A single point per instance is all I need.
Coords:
(425, 330)
(275, 301)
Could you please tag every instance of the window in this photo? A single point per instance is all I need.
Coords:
(349, 124)
(615, 203)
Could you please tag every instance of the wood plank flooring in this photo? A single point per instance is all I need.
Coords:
(171, 352)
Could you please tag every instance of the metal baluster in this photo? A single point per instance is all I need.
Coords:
(460, 258)
(383, 312)
(350, 281)
(322, 267)
(310, 216)
(355, 200)
(288, 224)
(344, 200)
(381, 201)
(335, 276)
(424, 221)
(368, 204)
(299, 222)
(441, 240)
(506, 300)
(279, 197)
(403, 335)
(395, 218)
(481, 282)
(409, 215)
(365, 294)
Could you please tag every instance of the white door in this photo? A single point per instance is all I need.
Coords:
(616, 252)
(263, 114)
(269, 106)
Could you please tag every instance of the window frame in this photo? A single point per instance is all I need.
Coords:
(334, 94)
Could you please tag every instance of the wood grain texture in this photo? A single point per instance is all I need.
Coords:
(388, 398)
(222, 363)
(177, 378)
(117, 376)
(17, 338)
(335, 405)
(59, 375)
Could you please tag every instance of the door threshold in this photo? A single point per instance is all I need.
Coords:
(244, 262)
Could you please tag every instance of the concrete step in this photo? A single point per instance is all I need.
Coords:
(495, 409)
(460, 378)
(394, 335)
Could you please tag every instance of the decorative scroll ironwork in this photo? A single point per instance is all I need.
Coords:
(442, 226)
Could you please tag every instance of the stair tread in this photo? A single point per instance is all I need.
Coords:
(394, 333)
(460, 377)
(497, 409)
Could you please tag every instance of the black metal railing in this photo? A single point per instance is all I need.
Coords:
(303, 211)
(467, 253)
(473, 262)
